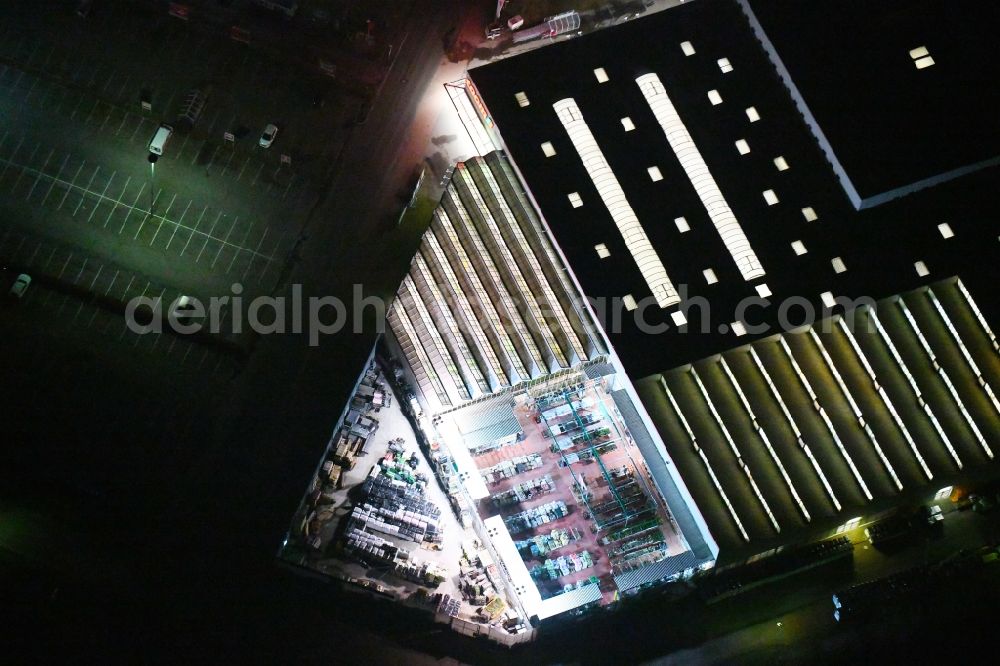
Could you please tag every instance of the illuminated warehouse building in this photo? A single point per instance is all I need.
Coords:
(741, 166)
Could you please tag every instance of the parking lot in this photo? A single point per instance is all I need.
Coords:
(86, 215)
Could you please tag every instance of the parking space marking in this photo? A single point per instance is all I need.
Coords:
(196, 224)
(7, 163)
(242, 169)
(23, 167)
(179, 222)
(40, 172)
(238, 248)
(31, 259)
(117, 202)
(133, 206)
(112, 283)
(72, 184)
(178, 226)
(208, 236)
(86, 120)
(94, 209)
(54, 180)
(257, 175)
(162, 217)
(87, 189)
(148, 212)
(225, 241)
(246, 270)
(65, 264)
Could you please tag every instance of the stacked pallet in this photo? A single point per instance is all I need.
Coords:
(542, 544)
(369, 547)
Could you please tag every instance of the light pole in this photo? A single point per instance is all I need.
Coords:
(152, 179)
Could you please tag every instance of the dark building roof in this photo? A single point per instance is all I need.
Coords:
(878, 246)
(853, 67)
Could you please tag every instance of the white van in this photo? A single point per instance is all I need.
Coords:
(159, 140)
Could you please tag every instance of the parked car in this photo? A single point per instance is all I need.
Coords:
(267, 138)
(20, 286)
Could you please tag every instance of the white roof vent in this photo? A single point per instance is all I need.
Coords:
(688, 48)
(602, 251)
(770, 197)
(799, 247)
(714, 97)
(682, 224)
(602, 76)
(548, 149)
(574, 198)
(752, 114)
(654, 173)
(780, 163)
(679, 318)
(809, 214)
(945, 230)
(838, 264)
(725, 65)
(710, 276)
(630, 303)
(627, 124)
(738, 328)
(921, 269)
(828, 299)
(522, 99)
(763, 290)
(743, 146)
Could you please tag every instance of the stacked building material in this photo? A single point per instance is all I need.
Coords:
(423, 573)
(525, 490)
(563, 566)
(536, 516)
(368, 547)
(512, 467)
(542, 544)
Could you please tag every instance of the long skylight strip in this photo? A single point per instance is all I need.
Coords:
(854, 407)
(704, 459)
(859, 354)
(515, 271)
(441, 350)
(825, 417)
(763, 437)
(913, 386)
(485, 301)
(418, 350)
(965, 351)
(979, 315)
(421, 271)
(465, 307)
(701, 178)
(547, 292)
(795, 428)
(732, 445)
(487, 263)
(610, 190)
(945, 378)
